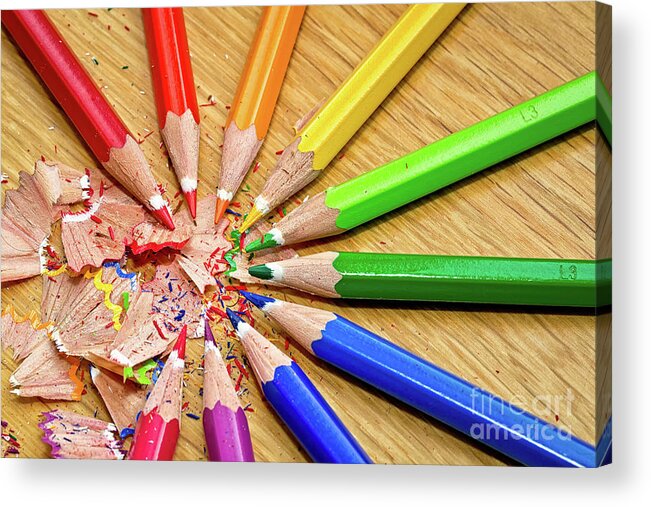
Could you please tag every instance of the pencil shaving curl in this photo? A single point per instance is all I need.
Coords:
(73, 436)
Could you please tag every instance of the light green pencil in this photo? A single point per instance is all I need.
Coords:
(439, 164)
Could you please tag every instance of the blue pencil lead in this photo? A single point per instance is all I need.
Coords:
(257, 299)
(234, 317)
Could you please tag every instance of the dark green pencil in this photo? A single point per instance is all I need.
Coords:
(455, 279)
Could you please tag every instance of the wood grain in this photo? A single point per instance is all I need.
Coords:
(541, 203)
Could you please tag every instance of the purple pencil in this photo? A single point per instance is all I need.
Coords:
(224, 421)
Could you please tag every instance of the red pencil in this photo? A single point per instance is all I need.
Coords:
(87, 108)
(176, 99)
(158, 426)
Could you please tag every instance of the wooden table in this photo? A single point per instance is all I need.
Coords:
(540, 204)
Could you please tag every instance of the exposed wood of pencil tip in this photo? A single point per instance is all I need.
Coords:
(130, 167)
(217, 384)
(263, 356)
(166, 395)
(292, 172)
(313, 273)
(311, 220)
(239, 151)
(181, 137)
(304, 324)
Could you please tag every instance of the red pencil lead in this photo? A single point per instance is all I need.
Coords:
(164, 217)
(191, 199)
(179, 346)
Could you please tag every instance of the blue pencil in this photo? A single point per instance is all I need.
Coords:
(297, 402)
(428, 388)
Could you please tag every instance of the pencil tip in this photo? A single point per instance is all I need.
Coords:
(266, 241)
(220, 208)
(164, 217)
(254, 215)
(257, 299)
(235, 319)
(179, 346)
(261, 271)
(191, 199)
(208, 336)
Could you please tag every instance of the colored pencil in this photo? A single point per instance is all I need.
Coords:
(332, 126)
(224, 422)
(426, 387)
(437, 165)
(604, 110)
(176, 99)
(256, 96)
(447, 278)
(90, 112)
(159, 424)
(296, 401)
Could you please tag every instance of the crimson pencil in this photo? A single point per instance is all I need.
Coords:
(159, 424)
(176, 99)
(224, 421)
(99, 125)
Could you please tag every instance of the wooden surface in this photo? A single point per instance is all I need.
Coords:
(539, 204)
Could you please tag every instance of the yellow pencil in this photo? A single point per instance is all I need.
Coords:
(354, 101)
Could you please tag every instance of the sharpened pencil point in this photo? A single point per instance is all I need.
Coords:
(254, 215)
(220, 209)
(208, 336)
(261, 271)
(257, 299)
(164, 217)
(235, 319)
(266, 241)
(191, 199)
(179, 346)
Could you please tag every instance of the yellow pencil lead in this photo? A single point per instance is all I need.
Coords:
(254, 215)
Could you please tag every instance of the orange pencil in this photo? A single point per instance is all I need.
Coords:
(256, 96)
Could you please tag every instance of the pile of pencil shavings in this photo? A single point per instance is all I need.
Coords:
(117, 289)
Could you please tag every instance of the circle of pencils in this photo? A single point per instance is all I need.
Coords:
(297, 402)
(426, 387)
(176, 99)
(139, 341)
(446, 278)
(90, 112)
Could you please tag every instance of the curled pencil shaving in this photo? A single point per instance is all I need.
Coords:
(149, 236)
(48, 374)
(72, 436)
(22, 333)
(107, 289)
(202, 257)
(123, 400)
(139, 339)
(28, 215)
(102, 230)
(74, 185)
(84, 310)
(44, 372)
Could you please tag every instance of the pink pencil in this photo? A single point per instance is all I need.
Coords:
(224, 421)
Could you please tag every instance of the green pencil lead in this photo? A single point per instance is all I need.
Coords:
(266, 241)
(261, 271)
